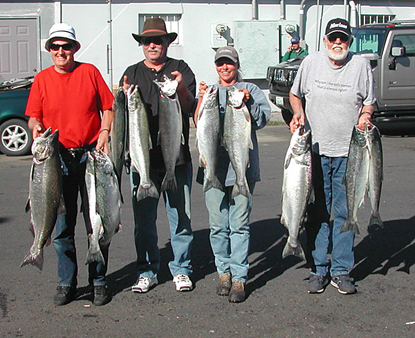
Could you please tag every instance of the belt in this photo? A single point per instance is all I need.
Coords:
(79, 150)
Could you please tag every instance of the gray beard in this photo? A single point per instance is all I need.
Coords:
(338, 57)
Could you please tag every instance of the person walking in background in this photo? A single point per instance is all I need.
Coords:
(294, 50)
(155, 42)
(229, 217)
(71, 96)
(339, 92)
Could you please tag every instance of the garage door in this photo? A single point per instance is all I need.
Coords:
(18, 48)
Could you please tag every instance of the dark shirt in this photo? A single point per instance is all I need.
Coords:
(139, 74)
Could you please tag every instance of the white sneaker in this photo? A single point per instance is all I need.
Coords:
(144, 283)
(183, 283)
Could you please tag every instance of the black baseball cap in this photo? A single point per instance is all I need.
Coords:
(338, 25)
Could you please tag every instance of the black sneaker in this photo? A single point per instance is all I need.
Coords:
(102, 295)
(65, 295)
(317, 283)
(344, 284)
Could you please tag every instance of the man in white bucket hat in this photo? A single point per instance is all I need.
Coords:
(71, 96)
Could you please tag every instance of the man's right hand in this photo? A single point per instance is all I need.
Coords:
(125, 84)
(37, 131)
(36, 127)
(295, 123)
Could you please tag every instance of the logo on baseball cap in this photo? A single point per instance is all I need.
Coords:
(295, 39)
(338, 25)
(227, 52)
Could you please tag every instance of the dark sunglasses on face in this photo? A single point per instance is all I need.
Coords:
(66, 46)
(222, 61)
(155, 40)
(333, 37)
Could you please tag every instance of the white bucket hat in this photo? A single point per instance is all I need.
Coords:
(62, 30)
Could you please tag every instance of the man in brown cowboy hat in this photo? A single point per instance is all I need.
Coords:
(155, 41)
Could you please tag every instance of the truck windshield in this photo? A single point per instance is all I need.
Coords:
(368, 40)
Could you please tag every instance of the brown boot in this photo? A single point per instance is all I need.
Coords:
(237, 293)
(224, 285)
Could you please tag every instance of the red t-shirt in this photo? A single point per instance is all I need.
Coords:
(71, 103)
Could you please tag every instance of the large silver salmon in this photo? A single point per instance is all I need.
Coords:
(296, 189)
(45, 193)
(140, 143)
(364, 172)
(237, 139)
(375, 174)
(117, 144)
(104, 203)
(170, 136)
(208, 136)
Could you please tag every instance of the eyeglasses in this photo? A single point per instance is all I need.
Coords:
(334, 36)
(155, 40)
(66, 46)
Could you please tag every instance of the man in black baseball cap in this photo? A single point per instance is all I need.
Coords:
(338, 39)
(338, 89)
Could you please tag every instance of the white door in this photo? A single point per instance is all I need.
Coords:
(18, 48)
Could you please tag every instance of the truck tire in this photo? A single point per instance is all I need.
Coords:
(15, 138)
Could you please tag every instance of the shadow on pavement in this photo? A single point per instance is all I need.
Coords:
(268, 238)
(385, 248)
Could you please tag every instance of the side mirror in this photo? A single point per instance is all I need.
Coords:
(398, 51)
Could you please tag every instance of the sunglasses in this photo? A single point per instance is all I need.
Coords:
(155, 40)
(222, 61)
(66, 46)
(333, 37)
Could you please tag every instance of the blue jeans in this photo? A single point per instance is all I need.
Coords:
(178, 212)
(229, 231)
(330, 196)
(64, 240)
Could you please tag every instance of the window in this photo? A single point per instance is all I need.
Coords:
(172, 24)
(407, 41)
(367, 19)
(368, 40)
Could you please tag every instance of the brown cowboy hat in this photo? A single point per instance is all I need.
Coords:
(155, 27)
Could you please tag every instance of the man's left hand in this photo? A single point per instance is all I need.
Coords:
(102, 143)
(177, 76)
(364, 118)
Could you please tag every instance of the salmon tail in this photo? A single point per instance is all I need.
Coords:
(94, 257)
(350, 225)
(209, 184)
(375, 219)
(36, 260)
(240, 189)
(147, 192)
(290, 250)
(169, 183)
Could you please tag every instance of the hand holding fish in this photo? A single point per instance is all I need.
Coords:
(296, 122)
(36, 126)
(37, 131)
(102, 143)
(202, 88)
(298, 113)
(365, 117)
(177, 76)
(125, 84)
(247, 95)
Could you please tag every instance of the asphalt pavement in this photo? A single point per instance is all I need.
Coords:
(277, 305)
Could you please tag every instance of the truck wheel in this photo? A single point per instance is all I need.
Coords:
(15, 138)
(287, 116)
